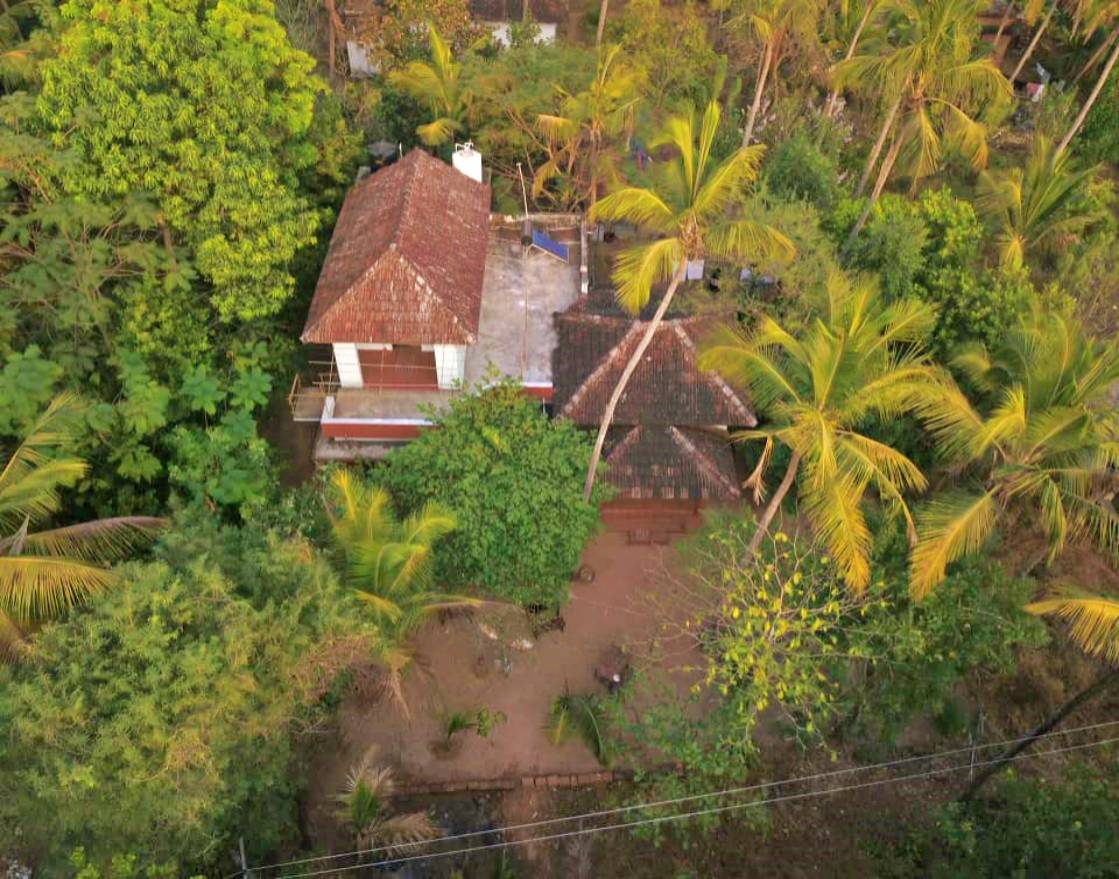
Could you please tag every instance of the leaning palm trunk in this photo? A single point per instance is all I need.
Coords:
(1033, 43)
(876, 151)
(879, 185)
(603, 7)
(759, 88)
(775, 502)
(1048, 726)
(833, 98)
(1101, 50)
(631, 365)
(1088, 104)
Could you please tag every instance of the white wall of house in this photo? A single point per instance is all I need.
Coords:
(500, 31)
(349, 367)
(450, 364)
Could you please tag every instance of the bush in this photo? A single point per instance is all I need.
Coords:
(162, 718)
(514, 480)
(917, 653)
(1098, 140)
(797, 168)
(1032, 829)
(892, 244)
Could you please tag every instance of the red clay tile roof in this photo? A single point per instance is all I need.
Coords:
(665, 462)
(407, 259)
(666, 388)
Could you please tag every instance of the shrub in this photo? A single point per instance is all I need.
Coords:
(892, 244)
(797, 168)
(514, 480)
(162, 718)
(917, 652)
(1032, 828)
(1098, 140)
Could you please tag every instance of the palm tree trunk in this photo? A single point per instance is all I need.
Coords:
(1088, 104)
(602, 9)
(1033, 43)
(876, 151)
(775, 503)
(620, 387)
(1101, 50)
(1003, 24)
(1050, 724)
(833, 98)
(759, 87)
(879, 185)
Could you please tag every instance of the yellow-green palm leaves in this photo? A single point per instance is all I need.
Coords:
(1035, 206)
(693, 208)
(389, 562)
(1046, 442)
(584, 136)
(1093, 621)
(921, 57)
(693, 205)
(43, 573)
(438, 84)
(861, 358)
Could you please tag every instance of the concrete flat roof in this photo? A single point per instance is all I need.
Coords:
(388, 403)
(523, 289)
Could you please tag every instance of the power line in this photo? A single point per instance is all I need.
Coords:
(701, 812)
(693, 797)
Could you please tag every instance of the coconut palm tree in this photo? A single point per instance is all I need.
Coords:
(868, 7)
(1093, 622)
(922, 59)
(390, 563)
(583, 136)
(44, 573)
(1032, 12)
(438, 83)
(694, 205)
(773, 24)
(862, 358)
(1104, 13)
(364, 805)
(1034, 206)
(1090, 17)
(1045, 447)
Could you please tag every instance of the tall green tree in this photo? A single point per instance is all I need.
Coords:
(694, 205)
(440, 85)
(207, 107)
(1042, 441)
(587, 135)
(44, 573)
(862, 358)
(1036, 205)
(775, 25)
(923, 60)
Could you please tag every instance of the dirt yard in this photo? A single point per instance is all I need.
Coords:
(482, 660)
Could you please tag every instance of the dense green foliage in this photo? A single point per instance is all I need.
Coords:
(164, 719)
(1030, 828)
(512, 478)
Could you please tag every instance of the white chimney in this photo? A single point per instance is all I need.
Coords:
(468, 160)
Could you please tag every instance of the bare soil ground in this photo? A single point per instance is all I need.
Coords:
(481, 659)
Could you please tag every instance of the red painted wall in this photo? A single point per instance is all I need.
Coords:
(371, 431)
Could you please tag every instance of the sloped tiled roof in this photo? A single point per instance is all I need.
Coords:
(551, 11)
(665, 462)
(666, 388)
(407, 259)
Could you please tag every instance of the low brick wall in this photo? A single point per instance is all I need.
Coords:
(586, 779)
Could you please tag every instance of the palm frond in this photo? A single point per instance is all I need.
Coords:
(35, 588)
(948, 528)
(1093, 621)
(639, 269)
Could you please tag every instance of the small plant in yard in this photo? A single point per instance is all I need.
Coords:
(581, 715)
(364, 804)
(483, 721)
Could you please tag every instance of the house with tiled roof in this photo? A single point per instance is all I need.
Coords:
(424, 293)
(669, 446)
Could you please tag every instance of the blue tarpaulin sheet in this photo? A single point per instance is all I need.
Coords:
(549, 245)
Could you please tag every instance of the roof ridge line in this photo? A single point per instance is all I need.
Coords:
(715, 379)
(602, 366)
(701, 459)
